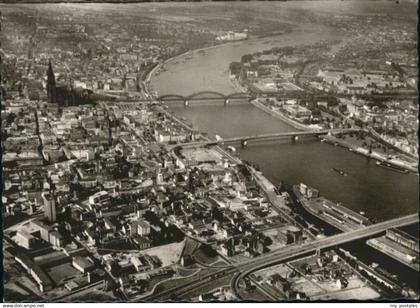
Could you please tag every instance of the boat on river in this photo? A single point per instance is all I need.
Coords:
(339, 171)
(392, 167)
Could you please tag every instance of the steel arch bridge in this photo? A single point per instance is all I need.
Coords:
(171, 97)
(238, 95)
(203, 95)
(211, 94)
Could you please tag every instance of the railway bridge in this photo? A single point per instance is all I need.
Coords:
(204, 96)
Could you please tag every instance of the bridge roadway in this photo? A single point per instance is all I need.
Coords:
(294, 251)
(203, 95)
(245, 268)
(266, 137)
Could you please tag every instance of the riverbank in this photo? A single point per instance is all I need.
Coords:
(192, 52)
(365, 152)
(267, 187)
(214, 59)
(336, 141)
(378, 137)
(169, 60)
(367, 189)
(186, 126)
(279, 116)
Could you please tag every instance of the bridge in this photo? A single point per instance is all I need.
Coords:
(242, 269)
(204, 96)
(294, 251)
(243, 140)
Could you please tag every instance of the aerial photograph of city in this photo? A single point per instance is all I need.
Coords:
(258, 151)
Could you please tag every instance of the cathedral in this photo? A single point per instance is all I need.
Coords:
(65, 95)
(51, 87)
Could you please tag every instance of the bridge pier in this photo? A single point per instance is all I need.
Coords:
(186, 103)
(226, 102)
(295, 138)
(244, 143)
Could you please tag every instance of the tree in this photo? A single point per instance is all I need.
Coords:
(246, 58)
(10, 119)
(235, 68)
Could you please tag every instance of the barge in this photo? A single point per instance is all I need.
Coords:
(391, 167)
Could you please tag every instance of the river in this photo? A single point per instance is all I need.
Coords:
(208, 69)
(378, 192)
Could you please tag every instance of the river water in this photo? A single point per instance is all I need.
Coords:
(379, 192)
(208, 69)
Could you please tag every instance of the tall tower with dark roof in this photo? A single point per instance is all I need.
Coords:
(51, 87)
(50, 209)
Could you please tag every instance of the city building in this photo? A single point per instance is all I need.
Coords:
(83, 264)
(49, 206)
(25, 239)
(143, 228)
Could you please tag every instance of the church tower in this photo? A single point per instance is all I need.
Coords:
(51, 87)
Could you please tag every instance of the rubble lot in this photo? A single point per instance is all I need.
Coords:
(168, 254)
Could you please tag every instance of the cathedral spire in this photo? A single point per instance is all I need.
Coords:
(51, 87)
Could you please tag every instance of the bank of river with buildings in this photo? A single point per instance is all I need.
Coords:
(379, 192)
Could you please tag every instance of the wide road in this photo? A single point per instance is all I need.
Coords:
(280, 255)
